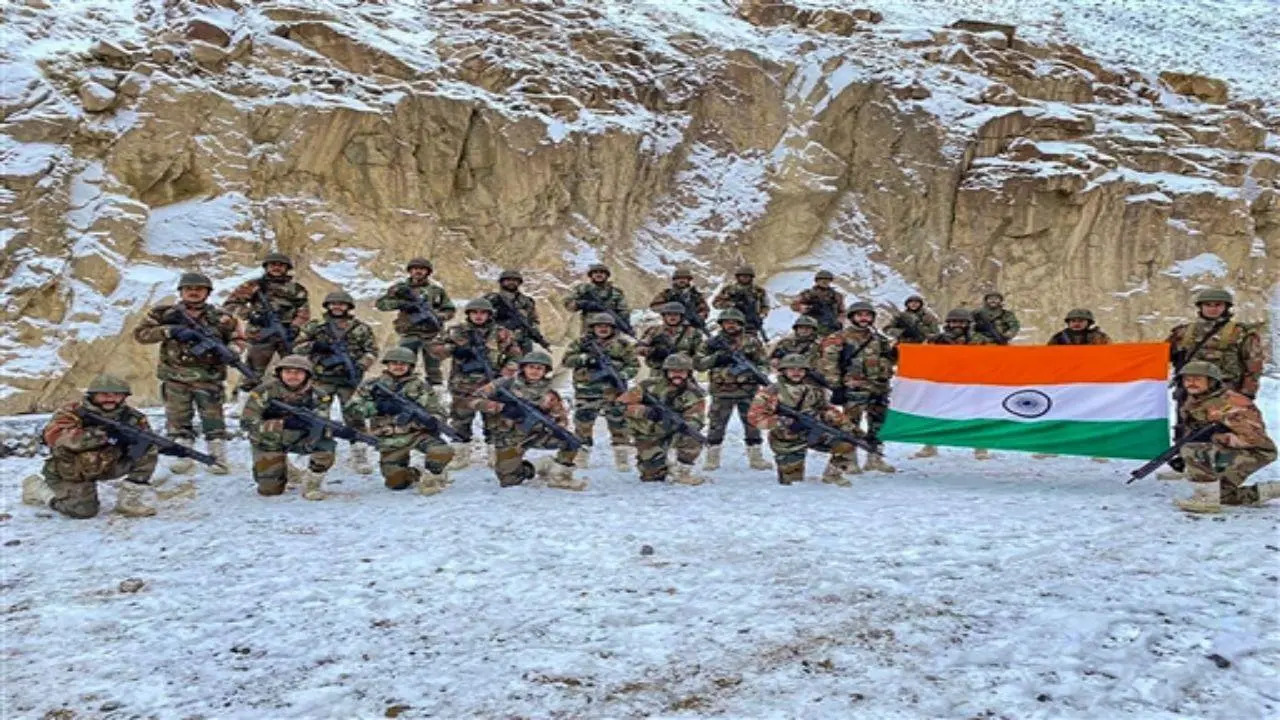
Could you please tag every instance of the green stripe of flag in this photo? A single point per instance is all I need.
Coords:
(1138, 439)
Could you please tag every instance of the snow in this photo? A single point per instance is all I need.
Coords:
(198, 227)
(956, 588)
(1202, 264)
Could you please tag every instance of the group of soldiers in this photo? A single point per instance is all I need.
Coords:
(830, 393)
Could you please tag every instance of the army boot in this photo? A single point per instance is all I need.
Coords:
(461, 457)
(876, 461)
(35, 491)
(622, 457)
(561, 477)
(755, 458)
(1171, 475)
(833, 474)
(684, 475)
(981, 454)
(313, 485)
(181, 465)
(431, 483)
(218, 449)
(1266, 491)
(713, 458)
(360, 460)
(131, 500)
(582, 459)
(926, 451)
(1206, 497)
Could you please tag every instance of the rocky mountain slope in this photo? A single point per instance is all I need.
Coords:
(141, 139)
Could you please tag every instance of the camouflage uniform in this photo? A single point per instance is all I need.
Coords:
(187, 381)
(864, 377)
(397, 439)
(1002, 319)
(316, 342)
(731, 392)
(419, 339)
(273, 436)
(750, 297)
(690, 297)
(826, 305)
(912, 326)
(807, 347)
(510, 442)
(605, 295)
(1236, 349)
(652, 440)
(591, 399)
(521, 303)
(1089, 336)
(466, 375)
(789, 447)
(289, 299)
(659, 342)
(1232, 456)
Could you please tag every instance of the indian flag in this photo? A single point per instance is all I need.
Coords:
(1098, 400)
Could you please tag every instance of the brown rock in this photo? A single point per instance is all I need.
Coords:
(208, 56)
(206, 31)
(96, 98)
(1211, 90)
(107, 50)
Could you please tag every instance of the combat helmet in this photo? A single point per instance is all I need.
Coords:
(419, 262)
(511, 275)
(824, 275)
(1080, 314)
(682, 272)
(805, 321)
(732, 315)
(959, 314)
(294, 362)
(276, 257)
(1201, 367)
(744, 270)
(860, 306)
(194, 279)
(793, 360)
(678, 361)
(599, 267)
(671, 308)
(478, 304)
(601, 319)
(993, 294)
(338, 296)
(106, 383)
(536, 357)
(400, 354)
(1214, 295)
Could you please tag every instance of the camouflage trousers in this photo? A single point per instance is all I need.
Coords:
(430, 363)
(508, 455)
(789, 453)
(651, 454)
(258, 357)
(394, 461)
(722, 408)
(75, 494)
(873, 406)
(1230, 467)
(343, 394)
(587, 409)
(271, 462)
(182, 400)
(462, 418)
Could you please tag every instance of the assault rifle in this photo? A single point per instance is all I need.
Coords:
(825, 314)
(623, 324)
(910, 328)
(738, 363)
(752, 314)
(528, 416)
(418, 312)
(316, 424)
(507, 316)
(268, 321)
(136, 441)
(474, 356)
(604, 369)
(409, 411)
(986, 327)
(1181, 358)
(1174, 451)
(340, 356)
(814, 429)
(672, 421)
(209, 344)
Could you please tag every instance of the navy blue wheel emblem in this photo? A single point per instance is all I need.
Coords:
(1027, 403)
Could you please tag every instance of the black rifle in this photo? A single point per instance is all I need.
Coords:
(622, 323)
(418, 311)
(528, 417)
(409, 411)
(910, 328)
(317, 424)
(695, 320)
(660, 348)
(268, 320)
(752, 314)
(738, 363)
(604, 369)
(136, 441)
(1181, 358)
(1201, 435)
(340, 356)
(815, 430)
(474, 356)
(825, 314)
(512, 319)
(986, 327)
(208, 343)
(672, 421)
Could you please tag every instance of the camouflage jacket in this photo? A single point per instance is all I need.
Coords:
(1003, 320)
(622, 355)
(691, 298)
(177, 364)
(287, 297)
(801, 397)
(606, 295)
(947, 337)
(1233, 409)
(391, 431)
(913, 327)
(690, 401)
(1091, 336)
(519, 302)
(859, 358)
(539, 393)
(266, 428)
(747, 298)
(809, 348)
(1236, 349)
(401, 293)
(659, 342)
(467, 371)
(723, 382)
(316, 342)
(826, 305)
(87, 453)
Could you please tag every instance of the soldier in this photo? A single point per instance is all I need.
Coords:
(859, 362)
(510, 305)
(276, 292)
(956, 332)
(594, 394)
(531, 383)
(822, 303)
(676, 388)
(81, 457)
(1219, 468)
(188, 381)
(744, 296)
(803, 341)
(398, 436)
(341, 349)
(915, 324)
(682, 291)
(674, 335)
(1080, 330)
(481, 350)
(598, 295)
(274, 435)
(416, 330)
(789, 447)
(996, 323)
(729, 391)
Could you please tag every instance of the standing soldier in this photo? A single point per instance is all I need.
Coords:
(682, 291)
(790, 447)
(596, 388)
(1080, 330)
(598, 296)
(995, 323)
(956, 332)
(532, 384)
(516, 311)
(481, 351)
(1217, 337)
(744, 296)
(341, 349)
(397, 432)
(275, 306)
(273, 435)
(675, 388)
(732, 390)
(822, 303)
(1218, 468)
(859, 362)
(424, 307)
(803, 341)
(674, 335)
(83, 455)
(189, 382)
(915, 324)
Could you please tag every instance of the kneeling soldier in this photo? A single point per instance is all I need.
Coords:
(1218, 469)
(651, 431)
(274, 435)
(397, 432)
(789, 446)
(84, 455)
(532, 385)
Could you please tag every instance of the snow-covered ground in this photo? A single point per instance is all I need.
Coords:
(955, 589)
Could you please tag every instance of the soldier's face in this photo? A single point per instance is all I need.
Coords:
(913, 305)
(194, 295)
(478, 317)
(107, 401)
(863, 318)
(598, 277)
(1212, 310)
(795, 375)
(419, 274)
(672, 319)
(293, 377)
(681, 282)
(993, 302)
(276, 269)
(1078, 324)
(804, 331)
(677, 377)
(534, 372)
(398, 369)
(602, 331)
(510, 285)
(1195, 384)
(822, 283)
(731, 327)
(339, 309)
(957, 325)
(744, 279)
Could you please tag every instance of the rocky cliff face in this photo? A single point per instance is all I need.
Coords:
(548, 135)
